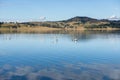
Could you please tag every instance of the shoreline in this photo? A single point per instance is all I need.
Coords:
(46, 30)
(54, 29)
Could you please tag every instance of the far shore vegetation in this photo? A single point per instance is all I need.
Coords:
(76, 23)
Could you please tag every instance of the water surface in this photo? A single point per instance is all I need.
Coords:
(60, 56)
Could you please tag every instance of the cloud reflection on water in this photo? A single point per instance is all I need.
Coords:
(78, 71)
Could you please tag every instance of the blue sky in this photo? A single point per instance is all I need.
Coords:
(26, 10)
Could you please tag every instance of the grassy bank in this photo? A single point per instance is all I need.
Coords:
(47, 29)
(41, 28)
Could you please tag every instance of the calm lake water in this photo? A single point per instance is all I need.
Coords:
(60, 56)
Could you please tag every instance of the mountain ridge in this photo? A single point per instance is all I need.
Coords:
(75, 22)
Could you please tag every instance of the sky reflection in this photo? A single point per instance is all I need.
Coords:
(79, 71)
(79, 56)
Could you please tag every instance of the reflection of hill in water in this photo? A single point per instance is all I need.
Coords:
(88, 35)
(81, 37)
(75, 36)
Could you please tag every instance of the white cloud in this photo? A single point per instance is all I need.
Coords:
(114, 17)
(42, 18)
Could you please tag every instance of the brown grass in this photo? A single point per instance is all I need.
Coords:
(30, 29)
(47, 29)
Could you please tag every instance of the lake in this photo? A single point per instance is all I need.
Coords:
(87, 55)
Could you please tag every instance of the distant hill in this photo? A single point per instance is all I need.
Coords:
(81, 19)
(75, 22)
